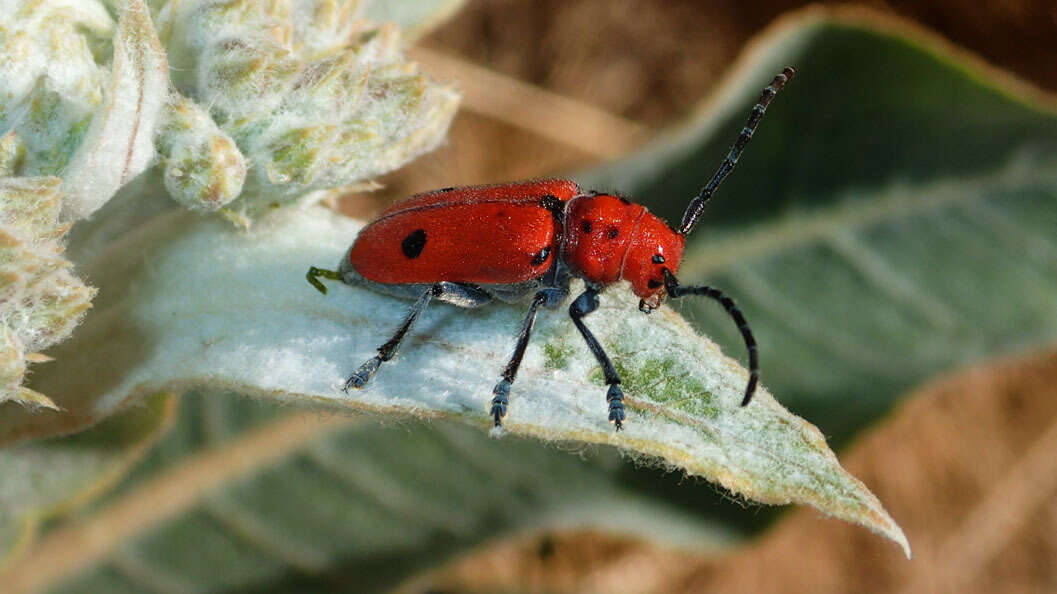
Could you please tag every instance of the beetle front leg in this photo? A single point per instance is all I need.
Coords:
(586, 303)
(549, 298)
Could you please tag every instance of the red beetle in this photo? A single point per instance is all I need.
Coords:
(474, 245)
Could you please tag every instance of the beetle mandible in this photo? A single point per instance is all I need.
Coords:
(474, 245)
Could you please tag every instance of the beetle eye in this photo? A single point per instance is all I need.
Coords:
(658, 259)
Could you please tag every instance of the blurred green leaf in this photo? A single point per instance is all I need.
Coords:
(51, 477)
(315, 501)
(893, 217)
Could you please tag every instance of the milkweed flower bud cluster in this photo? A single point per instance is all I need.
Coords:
(313, 95)
(204, 169)
(50, 82)
(239, 105)
(40, 300)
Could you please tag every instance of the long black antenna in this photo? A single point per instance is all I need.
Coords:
(697, 205)
(675, 290)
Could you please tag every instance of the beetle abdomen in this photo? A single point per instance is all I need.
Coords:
(499, 234)
(484, 242)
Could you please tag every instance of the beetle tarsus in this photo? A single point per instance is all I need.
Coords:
(500, 401)
(615, 398)
(363, 374)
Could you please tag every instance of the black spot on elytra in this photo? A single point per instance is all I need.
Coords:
(654, 284)
(414, 243)
(612, 233)
(542, 256)
(585, 226)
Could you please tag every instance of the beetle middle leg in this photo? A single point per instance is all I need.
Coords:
(454, 293)
(586, 303)
(548, 298)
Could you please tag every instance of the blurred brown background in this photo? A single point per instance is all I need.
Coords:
(648, 62)
(968, 465)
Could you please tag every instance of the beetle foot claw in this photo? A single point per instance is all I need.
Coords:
(615, 397)
(363, 374)
(498, 414)
(500, 401)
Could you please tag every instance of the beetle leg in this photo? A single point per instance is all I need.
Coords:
(586, 303)
(314, 273)
(549, 298)
(388, 350)
(463, 295)
(455, 293)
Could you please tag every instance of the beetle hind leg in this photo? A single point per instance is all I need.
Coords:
(388, 350)
(455, 293)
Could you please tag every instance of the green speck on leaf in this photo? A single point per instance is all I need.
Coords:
(557, 353)
(665, 381)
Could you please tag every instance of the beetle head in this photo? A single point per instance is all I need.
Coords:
(654, 248)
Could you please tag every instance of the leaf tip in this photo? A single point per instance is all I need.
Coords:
(881, 523)
(895, 533)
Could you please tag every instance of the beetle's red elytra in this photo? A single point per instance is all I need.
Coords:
(524, 242)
